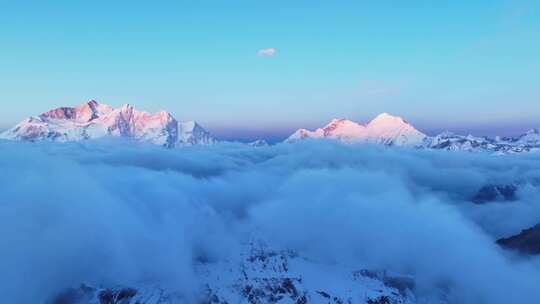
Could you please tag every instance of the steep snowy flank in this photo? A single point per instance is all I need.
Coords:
(191, 133)
(261, 276)
(384, 129)
(391, 130)
(94, 120)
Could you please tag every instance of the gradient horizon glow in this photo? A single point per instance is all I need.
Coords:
(250, 69)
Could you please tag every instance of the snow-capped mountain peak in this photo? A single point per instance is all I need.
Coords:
(531, 136)
(388, 122)
(393, 130)
(383, 129)
(259, 143)
(387, 118)
(190, 132)
(529, 141)
(343, 129)
(93, 120)
(390, 130)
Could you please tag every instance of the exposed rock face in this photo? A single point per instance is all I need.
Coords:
(527, 241)
(93, 120)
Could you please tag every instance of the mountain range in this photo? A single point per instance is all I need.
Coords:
(93, 120)
(384, 129)
(391, 130)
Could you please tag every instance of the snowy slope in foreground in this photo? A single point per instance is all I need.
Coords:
(93, 120)
(262, 276)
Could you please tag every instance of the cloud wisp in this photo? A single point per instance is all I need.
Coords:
(267, 52)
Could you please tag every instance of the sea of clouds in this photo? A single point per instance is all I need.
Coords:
(119, 212)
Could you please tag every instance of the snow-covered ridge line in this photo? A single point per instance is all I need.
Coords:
(527, 142)
(391, 130)
(94, 120)
(383, 129)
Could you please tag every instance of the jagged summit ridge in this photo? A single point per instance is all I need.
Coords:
(93, 120)
(83, 113)
(383, 129)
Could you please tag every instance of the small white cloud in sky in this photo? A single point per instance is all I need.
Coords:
(266, 52)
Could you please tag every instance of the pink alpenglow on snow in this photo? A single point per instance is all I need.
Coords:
(383, 129)
(93, 120)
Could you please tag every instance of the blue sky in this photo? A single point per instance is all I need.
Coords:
(468, 66)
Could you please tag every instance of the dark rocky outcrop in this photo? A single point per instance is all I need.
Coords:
(74, 295)
(528, 241)
(401, 283)
(380, 300)
(122, 296)
(495, 193)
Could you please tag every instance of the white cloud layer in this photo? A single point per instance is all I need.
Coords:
(266, 52)
(113, 214)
